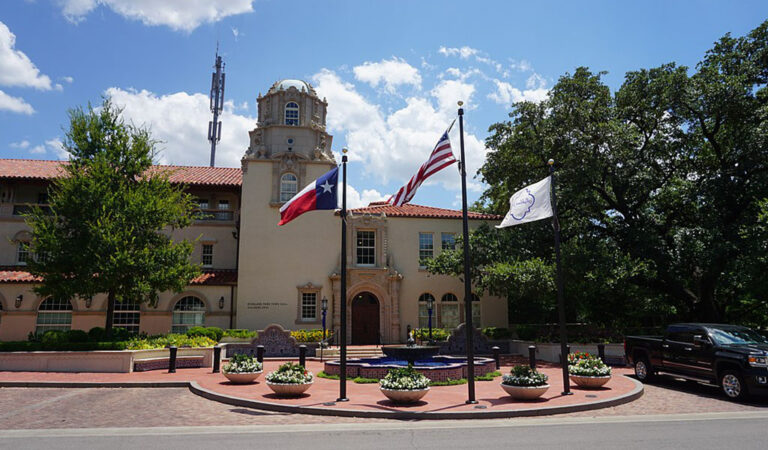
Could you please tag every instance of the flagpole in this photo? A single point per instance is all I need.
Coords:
(343, 337)
(467, 260)
(560, 299)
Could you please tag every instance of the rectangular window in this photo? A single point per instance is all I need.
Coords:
(224, 213)
(366, 248)
(308, 306)
(426, 248)
(127, 315)
(207, 255)
(22, 253)
(449, 241)
(449, 315)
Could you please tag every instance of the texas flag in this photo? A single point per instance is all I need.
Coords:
(319, 194)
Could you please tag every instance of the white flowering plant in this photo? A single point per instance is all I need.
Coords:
(589, 367)
(241, 363)
(290, 373)
(524, 376)
(405, 379)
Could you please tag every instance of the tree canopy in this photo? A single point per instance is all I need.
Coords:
(107, 230)
(661, 192)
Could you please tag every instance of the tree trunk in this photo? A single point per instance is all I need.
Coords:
(709, 311)
(110, 312)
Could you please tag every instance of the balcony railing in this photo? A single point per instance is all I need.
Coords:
(222, 215)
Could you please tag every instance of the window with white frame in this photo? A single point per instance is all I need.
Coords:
(207, 258)
(187, 313)
(224, 212)
(289, 186)
(292, 114)
(366, 248)
(449, 311)
(426, 248)
(309, 306)
(54, 314)
(127, 315)
(22, 252)
(424, 311)
(448, 241)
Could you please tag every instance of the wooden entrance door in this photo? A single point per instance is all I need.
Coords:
(365, 319)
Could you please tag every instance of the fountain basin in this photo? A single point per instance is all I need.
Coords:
(410, 353)
(437, 368)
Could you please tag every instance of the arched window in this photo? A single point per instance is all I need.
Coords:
(54, 314)
(475, 310)
(127, 315)
(292, 114)
(289, 186)
(449, 311)
(189, 312)
(424, 314)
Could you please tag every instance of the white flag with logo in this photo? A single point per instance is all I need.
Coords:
(528, 204)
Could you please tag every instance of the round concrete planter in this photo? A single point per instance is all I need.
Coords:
(590, 382)
(289, 389)
(405, 396)
(242, 378)
(525, 392)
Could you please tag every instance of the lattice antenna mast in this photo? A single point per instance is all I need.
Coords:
(217, 104)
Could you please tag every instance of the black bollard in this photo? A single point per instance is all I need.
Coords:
(303, 356)
(495, 350)
(216, 358)
(601, 351)
(172, 361)
(532, 356)
(260, 353)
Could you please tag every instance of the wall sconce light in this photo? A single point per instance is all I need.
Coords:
(88, 302)
(221, 302)
(19, 298)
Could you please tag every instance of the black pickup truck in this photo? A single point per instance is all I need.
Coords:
(729, 356)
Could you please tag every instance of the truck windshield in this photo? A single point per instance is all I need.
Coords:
(737, 336)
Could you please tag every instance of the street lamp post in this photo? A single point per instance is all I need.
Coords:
(324, 308)
(430, 306)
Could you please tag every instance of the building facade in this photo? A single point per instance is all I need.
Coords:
(254, 272)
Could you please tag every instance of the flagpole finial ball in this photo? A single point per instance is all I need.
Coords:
(461, 103)
(344, 150)
(551, 162)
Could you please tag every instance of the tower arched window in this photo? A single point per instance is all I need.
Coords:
(449, 311)
(423, 313)
(187, 313)
(292, 114)
(54, 314)
(289, 186)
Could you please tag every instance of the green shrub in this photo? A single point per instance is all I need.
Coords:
(97, 334)
(76, 336)
(53, 337)
(497, 333)
(522, 375)
(213, 333)
(438, 334)
(488, 376)
(241, 334)
(448, 382)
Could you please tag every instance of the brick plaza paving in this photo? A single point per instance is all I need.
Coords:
(141, 407)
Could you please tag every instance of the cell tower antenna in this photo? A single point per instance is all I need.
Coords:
(217, 104)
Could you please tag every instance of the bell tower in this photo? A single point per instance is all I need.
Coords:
(290, 134)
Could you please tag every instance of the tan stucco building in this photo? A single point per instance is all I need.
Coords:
(254, 272)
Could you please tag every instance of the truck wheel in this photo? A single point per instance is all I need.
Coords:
(733, 385)
(643, 369)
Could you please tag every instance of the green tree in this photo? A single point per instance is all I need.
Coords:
(660, 184)
(110, 216)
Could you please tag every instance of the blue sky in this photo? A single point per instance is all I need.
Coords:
(390, 70)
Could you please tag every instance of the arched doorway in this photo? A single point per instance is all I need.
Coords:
(365, 319)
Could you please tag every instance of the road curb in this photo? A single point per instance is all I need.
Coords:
(93, 384)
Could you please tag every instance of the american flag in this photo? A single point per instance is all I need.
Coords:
(441, 157)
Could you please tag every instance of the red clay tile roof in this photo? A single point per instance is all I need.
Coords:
(207, 278)
(32, 169)
(418, 211)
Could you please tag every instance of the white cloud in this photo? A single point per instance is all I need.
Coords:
(14, 104)
(391, 73)
(235, 33)
(183, 15)
(16, 69)
(357, 200)
(20, 145)
(535, 81)
(56, 146)
(392, 146)
(37, 150)
(180, 121)
(69, 80)
(521, 65)
(506, 94)
(463, 52)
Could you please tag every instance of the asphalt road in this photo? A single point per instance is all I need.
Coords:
(742, 430)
